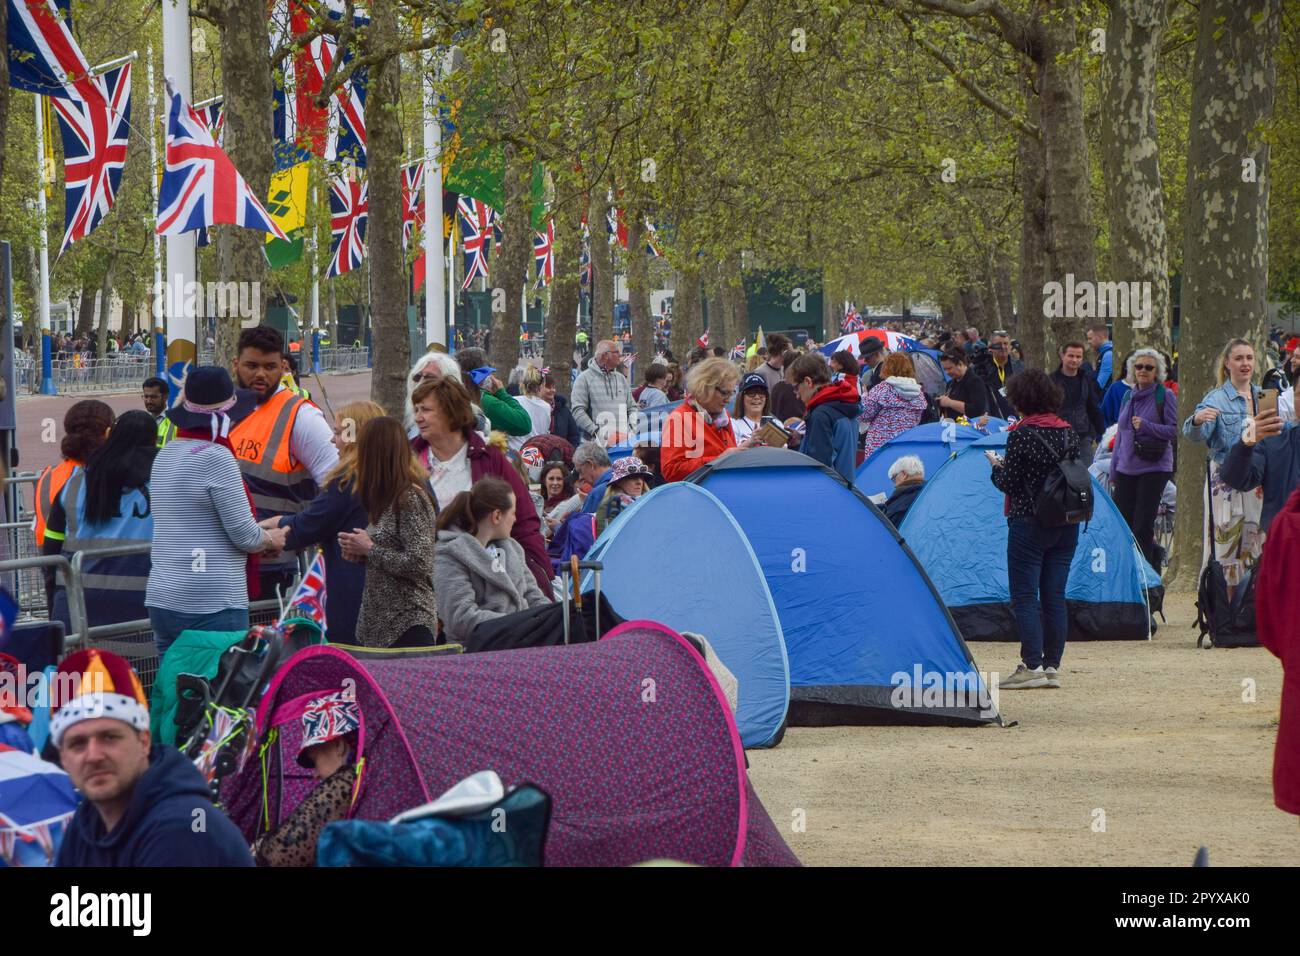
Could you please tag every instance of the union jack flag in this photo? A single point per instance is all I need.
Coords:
(214, 117)
(476, 221)
(94, 150)
(703, 341)
(616, 227)
(852, 321)
(348, 136)
(309, 599)
(412, 201)
(651, 246)
(43, 56)
(200, 185)
(544, 254)
(349, 210)
(584, 257)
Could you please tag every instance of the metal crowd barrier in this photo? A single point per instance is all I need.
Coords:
(111, 373)
(133, 640)
(343, 359)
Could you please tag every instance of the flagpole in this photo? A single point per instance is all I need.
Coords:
(181, 309)
(435, 319)
(159, 293)
(451, 286)
(315, 278)
(43, 294)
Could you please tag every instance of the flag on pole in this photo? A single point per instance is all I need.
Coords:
(287, 204)
(200, 185)
(703, 341)
(43, 55)
(412, 201)
(308, 601)
(544, 254)
(476, 220)
(852, 321)
(94, 151)
(349, 211)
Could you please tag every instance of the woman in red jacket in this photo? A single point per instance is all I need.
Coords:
(699, 429)
(456, 457)
(1277, 609)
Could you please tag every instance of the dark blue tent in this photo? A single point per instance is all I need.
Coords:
(957, 528)
(864, 628)
(647, 432)
(678, 557)
(933, 443)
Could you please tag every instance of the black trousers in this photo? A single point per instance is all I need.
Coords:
(1138, 499)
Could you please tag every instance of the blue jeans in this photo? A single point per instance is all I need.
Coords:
(167, 625)
(1038, 566)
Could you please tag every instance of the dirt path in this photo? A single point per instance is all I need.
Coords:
(1153, 735)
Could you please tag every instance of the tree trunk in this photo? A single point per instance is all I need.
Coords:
(1071, 234)
(638, 292)
(830, 308)
(392, 343)
(602, 269)
(332, 308)
(105, 308)
(247, 88)
(739, 301)
(513, 262)
(725, 321)
(688, 316)
(1225, 244)
(1130, 156)
(85, 312)
(562, 322)
(972, 307)
(1002, 293)
(1033, 240)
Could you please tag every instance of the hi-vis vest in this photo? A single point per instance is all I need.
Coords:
(288, 382)
(279, 485)
(114, 586)
(48, 486)
(166, 430)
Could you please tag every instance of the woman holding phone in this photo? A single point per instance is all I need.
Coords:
(1143, 459)
(1218, 421)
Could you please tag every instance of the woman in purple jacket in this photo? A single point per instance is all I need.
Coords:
(1144, 448)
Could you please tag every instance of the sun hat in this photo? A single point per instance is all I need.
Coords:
(327, 718)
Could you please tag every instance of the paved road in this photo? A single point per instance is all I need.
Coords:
(35, 413)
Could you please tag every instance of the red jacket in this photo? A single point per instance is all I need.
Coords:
(1277, 618)
(485, 460)
(688, 441)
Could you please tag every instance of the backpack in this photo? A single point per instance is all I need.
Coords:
(1066, 496)
(1223, 622)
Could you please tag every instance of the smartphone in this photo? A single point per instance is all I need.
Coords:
(1267, 401)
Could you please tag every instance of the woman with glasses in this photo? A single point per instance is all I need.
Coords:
(1218, 421)
(1143, 460)
(699, 429)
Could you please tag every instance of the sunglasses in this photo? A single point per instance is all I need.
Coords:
(1144, 368)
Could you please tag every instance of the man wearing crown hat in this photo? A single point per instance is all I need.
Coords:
(145, 803)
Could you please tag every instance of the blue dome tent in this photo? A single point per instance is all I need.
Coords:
(957, 528)
(933, 443)
(647, 432)
(719, 592)
(864, 628)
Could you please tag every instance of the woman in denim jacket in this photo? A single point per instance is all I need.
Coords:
(1218, 420)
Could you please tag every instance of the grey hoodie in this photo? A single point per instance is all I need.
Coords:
(473, 588)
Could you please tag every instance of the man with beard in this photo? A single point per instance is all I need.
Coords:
(285, 448)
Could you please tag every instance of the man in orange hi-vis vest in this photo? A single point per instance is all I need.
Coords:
(285, 448)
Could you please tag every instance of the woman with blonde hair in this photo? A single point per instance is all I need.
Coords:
(699, 429)
(1218, 420)
(397, 605)
(337, 508)
(537, 407)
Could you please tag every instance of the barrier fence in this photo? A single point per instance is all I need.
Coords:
(126, 371)
(132, 639)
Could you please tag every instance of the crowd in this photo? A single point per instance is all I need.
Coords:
(449, 525)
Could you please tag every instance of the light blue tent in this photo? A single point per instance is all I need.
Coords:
(678, 557)
(957, 528)
(933, 443)
(864, 627)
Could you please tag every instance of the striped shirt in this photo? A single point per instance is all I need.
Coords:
(203, 529)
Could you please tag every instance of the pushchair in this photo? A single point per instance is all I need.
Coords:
(214, 718)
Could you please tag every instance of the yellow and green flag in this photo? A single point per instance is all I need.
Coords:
(287, 204)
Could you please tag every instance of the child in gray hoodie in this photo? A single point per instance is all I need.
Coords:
(479, 570)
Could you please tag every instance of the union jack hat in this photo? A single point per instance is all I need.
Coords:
(327, 718)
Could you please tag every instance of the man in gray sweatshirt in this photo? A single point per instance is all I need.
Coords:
(602, 402)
